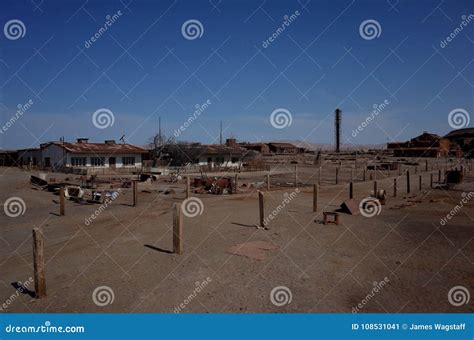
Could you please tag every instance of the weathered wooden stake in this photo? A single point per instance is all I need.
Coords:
(420, 182)
(408, 181)
(296, 176)
(319, 176)
(426, 165)
(439, 176)
(134, 193)
(431, 180)
(62, 202)
(375, 189)
(363, 178)
(394, 187)
(337, 174)
(38, 263)
(351, 190)
(315, 197)
(188, 187)
(236, 183)
(261, 209)
(177, 229)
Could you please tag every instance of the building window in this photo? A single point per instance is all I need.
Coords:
(235, 159)
(97, 161)
(219, 160)
(78, 161)
(128, 160)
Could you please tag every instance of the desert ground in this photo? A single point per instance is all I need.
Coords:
(325, 268)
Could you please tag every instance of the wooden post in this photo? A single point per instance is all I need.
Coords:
(394, 187)
(351, 190)
(420, 183)
(315, 197)
(408, 181)
(363, 178)
(337, 174)
(375, 172)
(38, 263)
(134, 193)
(268, 182)
(375, 189)
(296, 175)
(177, 229)
(431, 180)
(236, 183)
(188, 187)
(61, 202)
(426, 165)
(439, 175)
(319, 176)
(261, 209)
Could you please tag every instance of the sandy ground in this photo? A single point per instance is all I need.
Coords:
(327, 268)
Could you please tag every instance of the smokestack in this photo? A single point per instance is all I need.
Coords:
(221, 134)
(337, 125)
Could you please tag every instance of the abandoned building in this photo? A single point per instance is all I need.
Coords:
(211, 155)
(283, 148)
(464, 138)
(425, 145)
(262, 148)
(58, 155)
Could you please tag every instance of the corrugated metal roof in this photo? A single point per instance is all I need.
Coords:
(99, 148)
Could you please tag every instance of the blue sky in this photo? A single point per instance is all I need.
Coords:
(142, 67)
